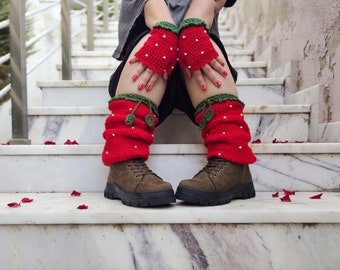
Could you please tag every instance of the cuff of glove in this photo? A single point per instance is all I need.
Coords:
(167, 26)
(192, 22)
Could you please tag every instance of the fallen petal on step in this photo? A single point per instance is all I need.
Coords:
(275, 195)
(82, 207)
(49, 143)
(71, 142)
(256, 141)
(26, 200)
(318, 196)
(285, 198)
(277, 141)
(75, 193)
(13, 204)
(288, 192)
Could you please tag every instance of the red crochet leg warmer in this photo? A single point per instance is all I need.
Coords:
(128, 131)
(224, 130)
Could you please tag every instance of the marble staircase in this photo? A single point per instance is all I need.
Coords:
(261, 233)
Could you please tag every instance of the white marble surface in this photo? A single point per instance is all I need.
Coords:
(59, 168)
(171, 247)
(61, 208)
(253, 91)
(260, 233)
(86, 124)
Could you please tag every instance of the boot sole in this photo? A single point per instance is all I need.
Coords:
(204, 198)
(142, 199)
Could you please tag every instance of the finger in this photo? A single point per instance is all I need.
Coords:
(217, 67)
(187, 73)
(220, 60)
(153, 79)
(145, 78)
(212, 75)
(138, 70)
(133, 60)
(198, 76)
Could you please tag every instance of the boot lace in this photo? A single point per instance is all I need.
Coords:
(214, 166)
(139, 168)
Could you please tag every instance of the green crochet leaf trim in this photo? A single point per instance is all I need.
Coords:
(209, 113)
(192, 22)
(131, 118)
(168, 26)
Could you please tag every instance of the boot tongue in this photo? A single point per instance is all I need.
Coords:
(214, 166)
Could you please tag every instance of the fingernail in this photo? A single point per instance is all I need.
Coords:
(148, 87)
(222, 64)
(218, 83)
(134, 77)
(203, 87)
(140, 86)
(225, 74)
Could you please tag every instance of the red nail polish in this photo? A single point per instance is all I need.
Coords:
(130, 62)
(134, 77)
(218, 83)
(140, 86)
(225, 74)
(148, 87)
(222, 64)
(204, 87)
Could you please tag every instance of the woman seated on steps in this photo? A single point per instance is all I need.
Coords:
(172, 58)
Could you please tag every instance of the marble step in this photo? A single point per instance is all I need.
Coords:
(101, 57)
(256, 91)
(61, 168)
(102, 71)
(113, 34)
(86, 124)
(261, 233)
(104, 45)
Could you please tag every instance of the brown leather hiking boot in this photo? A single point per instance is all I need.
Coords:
(136, 185)
(219, 182)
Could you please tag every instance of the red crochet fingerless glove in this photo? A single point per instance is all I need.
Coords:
(159, 52)
(195, 48)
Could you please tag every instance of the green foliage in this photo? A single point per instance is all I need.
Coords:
(4, 46)
(5, 43)
(100, 9)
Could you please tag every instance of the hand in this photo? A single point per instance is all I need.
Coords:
(147, 77)
(196, 53)
(213, 71)
(158, 55)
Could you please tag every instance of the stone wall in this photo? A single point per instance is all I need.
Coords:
(304, 31)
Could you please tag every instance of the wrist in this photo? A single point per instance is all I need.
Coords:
(167, 26)
(192, 22)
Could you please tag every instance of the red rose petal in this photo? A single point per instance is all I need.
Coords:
(82, 206)
(288, 192)
(13, 204)
(299, 141)
(277, 141)
(256, 141)
(285, 198)
(26, 200)
(318, 196)
(276, 194)
(7, 143)
(75, 193)
(71, 142)
(49, 143)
